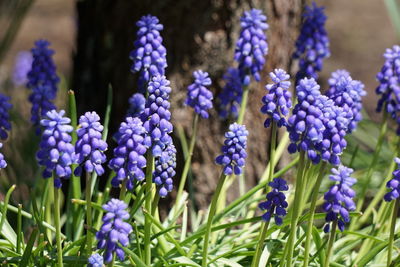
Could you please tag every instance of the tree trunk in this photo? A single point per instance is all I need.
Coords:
(197, 35)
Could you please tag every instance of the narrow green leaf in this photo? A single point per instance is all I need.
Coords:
(135, 258)
(28, 250)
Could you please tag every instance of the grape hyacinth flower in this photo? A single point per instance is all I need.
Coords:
(198, 96)
(5, 124)
(3, 162)
(394, 184)
(306, 125)
(278, 101)
(114, 230)
(231, 94)
(149, 55)
(23, 65)
(234, 150)
(389, 84)
(339, 198)
(137, 103)
(95, 261)
(336, 76)
(128, 161)
(56, 152)
(276, 203)
(312, 45)
(90, 147)
(156, 115)
(41, 99)
(252, 47)
(165, 170)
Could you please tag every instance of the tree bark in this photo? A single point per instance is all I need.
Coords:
(197, 35)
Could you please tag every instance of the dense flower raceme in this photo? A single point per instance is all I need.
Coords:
(306, 126)
(394, 184)
(156, 115)
(199, 96)
(234, 154)
(137, 103)
(41, 98)
(129, 160)
(347, 93)
(149, 55)
(165, 170)
(278, 100)
(231, 94)
(5, 124)
(339, 198)
(114, 230)
(56, 152)
(95, 261)
(389, 84)
(3, 162)
(22, 67)
(276, 203)
(252, 46)
(312, 45)
(90, 147)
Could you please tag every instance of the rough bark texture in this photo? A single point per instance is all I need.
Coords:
(197, 34)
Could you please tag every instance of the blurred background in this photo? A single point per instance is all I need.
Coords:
(92, 40)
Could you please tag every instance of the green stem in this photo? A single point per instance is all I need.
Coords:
(243, 105)
(211, 214)
(392, 229)
(123, 191)
(154, 205)
(89, 238)
(147, 222)
(188, 160)
(314, 199)
(274, 134)
(330, 243)
(260, 244)
(58, 226)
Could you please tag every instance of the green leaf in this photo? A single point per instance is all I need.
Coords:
(135, 258)
(28, 250)
(186, 261)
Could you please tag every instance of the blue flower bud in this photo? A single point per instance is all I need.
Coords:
(276, 203)
(199, 96)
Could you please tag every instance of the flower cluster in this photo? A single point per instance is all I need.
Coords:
(306, 126)
(137, 103)
(278, 101)
(41, 99)
(336, 76)
(128, 161)
(3, 162)
(149, 55)
(312, 45)
(252, 46)
(339, 198)
(276, 201)
(198, 96)
(231, 94)
(394, 184)
(22, 67)
(90, 147)
(56, 152)
(95, 261)
(156, 115)
(165, 170)
(5, 124)
(114, 230)
(234, 150)
(389, 84)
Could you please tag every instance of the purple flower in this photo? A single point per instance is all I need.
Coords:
(90, 147)
(22, 67)
(114, 231)
(231, 94)
(276, 203)
(312, 45)
(339, 198)
(198, 96)
(3, 162)
(234, 150)
(41, 98)
(336, 76)
(156, 115)
(137, 103)
(149, 55)
(5, 124)
(95, 261)
(129, 160)
(165, 170)
(394, 184)
(277, 102)
(389, 84)
(252, 47)
(306, 126)
(56, 152)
